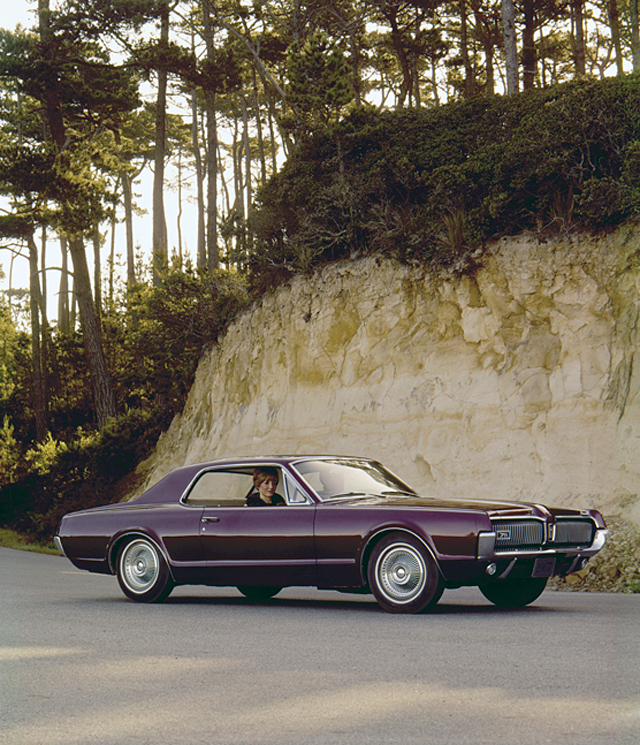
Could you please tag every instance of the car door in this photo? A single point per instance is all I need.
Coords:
(254, 545)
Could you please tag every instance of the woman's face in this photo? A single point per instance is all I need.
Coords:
(268, 488)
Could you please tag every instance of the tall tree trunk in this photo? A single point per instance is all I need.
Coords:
(45, 330)
(179, 215)
(401, 54)
(580, 59)
(486, 36)
(464, 50)
(213, 254)
(97, 268)
(38, 372)
(127, 199)
(634, 17)
(528, 46)
(64, 324)
(355, 58)
(247, 177)
(103, 395)
(43, 264)
(434, 82)
(195, 143)
(238, 189)
(213, 257)
(256, 110)
(490, 88)
(224, 188)
(510, 46)
(614, 23)
(73, 307)
(159, 238)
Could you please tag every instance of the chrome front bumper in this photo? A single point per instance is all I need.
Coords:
(487, 548)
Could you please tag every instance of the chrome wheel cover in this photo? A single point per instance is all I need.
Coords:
(140, 566)
(401, 573)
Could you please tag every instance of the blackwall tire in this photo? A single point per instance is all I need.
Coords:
(403, 576)
(514, 593)
(143, 574)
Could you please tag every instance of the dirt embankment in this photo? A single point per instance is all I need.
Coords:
(615, 569)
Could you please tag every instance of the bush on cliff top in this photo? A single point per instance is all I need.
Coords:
(428, 185)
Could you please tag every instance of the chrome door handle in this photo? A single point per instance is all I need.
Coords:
(210, 519)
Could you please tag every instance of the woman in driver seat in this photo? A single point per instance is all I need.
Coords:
(265, 480)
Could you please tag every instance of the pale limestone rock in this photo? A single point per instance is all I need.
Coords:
(522, 381)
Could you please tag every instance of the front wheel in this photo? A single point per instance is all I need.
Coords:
(143, 574)
(403, 576)
(255, 592)
(514, 593)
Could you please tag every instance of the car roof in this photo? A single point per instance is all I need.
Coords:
(177, 480)
(247, 460)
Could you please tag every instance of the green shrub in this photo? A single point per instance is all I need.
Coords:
(564, 158)
(9, 453)
(169, 328)
(91, 470)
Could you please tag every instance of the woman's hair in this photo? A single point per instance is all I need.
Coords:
(262, 474)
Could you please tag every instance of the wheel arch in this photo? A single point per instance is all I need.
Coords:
(375, 538)
(125, 537)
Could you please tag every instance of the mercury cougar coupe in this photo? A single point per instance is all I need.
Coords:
(345, 524)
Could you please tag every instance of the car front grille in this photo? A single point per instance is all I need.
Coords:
(522, 534)
(531, 534)
(573, 533)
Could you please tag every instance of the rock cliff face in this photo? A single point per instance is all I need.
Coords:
(519, 381)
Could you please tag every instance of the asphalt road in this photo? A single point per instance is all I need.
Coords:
(81, 665)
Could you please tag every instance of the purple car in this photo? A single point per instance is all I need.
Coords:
(335, 523)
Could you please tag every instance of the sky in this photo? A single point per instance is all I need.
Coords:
(18, 11)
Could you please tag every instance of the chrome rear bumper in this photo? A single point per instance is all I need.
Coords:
(58, 544)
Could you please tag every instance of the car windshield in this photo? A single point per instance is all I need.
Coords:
(339, 477)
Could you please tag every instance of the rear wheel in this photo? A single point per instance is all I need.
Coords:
(255, 592)
(514, 593)
(143, 573)
(403, 576)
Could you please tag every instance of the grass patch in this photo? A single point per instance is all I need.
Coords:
(12, 539)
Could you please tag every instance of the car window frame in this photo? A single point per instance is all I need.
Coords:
(287, 485)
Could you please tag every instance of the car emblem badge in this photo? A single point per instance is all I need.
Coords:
(504, 535)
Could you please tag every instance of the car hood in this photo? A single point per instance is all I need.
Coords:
(493, 508)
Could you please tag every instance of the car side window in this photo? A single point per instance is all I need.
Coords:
(295, 494)
(220, 489)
